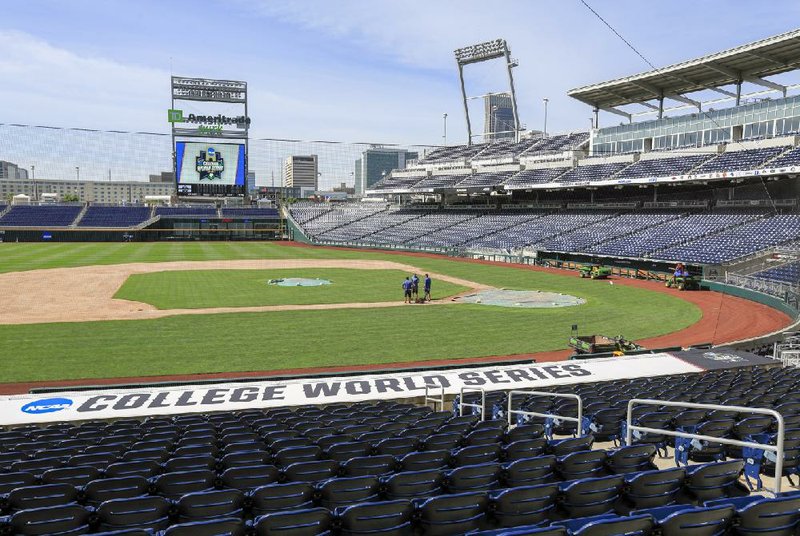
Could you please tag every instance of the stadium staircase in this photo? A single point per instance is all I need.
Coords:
(148, 222)
(5, 210)
(79, 217)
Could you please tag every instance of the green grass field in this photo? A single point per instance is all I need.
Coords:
(293, 339)
(197, 289)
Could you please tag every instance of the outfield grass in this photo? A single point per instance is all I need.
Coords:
(293, 339)
(197, 289)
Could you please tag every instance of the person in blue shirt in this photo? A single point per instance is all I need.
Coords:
(415, 286)
(427, 295)
(407, 290)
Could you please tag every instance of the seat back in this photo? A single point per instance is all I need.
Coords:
(530, 471)
(713, 480)
(452, 514)
(632, 459)
(308, 522)
(275, 497)
(387, 518)
(101, 490)
(72, 519)
(412, 484)
(651, 489)
(175, 485)
(591, 496)
(347, 490)
(525, 505)
(249, 477)
(208, 504)
(772, 517)
(139, 512)
(472, 478)
(713, 521)
(582, 464)
(213, 527)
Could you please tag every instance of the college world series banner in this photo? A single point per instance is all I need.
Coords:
(124, 403)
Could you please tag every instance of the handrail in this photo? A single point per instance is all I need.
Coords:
(578, 419)
(482, 405)
(777, 448)
(429, 398)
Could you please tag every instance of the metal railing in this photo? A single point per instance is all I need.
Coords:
(777, 448)
(578, 419)
(482, 405)
(429, 398)
(766, 286)
(790, 357)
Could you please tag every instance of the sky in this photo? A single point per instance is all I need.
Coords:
(374, 71)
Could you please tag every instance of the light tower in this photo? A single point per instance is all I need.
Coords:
(490, 50)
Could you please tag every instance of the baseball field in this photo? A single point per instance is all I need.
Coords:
(73, 311)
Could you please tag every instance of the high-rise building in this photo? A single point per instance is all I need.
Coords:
(376, 162)
(10, 170)
(301, 171)
(498, 117)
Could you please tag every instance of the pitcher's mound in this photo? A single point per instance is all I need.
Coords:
(521, 298)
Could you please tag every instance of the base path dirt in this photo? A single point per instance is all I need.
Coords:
(86, 293)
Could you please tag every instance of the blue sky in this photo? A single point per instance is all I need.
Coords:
(346, 70)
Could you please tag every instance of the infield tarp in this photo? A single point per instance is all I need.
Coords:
(127, 403)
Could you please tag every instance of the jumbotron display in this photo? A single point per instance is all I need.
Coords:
(210, 169)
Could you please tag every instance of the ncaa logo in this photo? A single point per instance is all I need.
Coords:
(48, 405)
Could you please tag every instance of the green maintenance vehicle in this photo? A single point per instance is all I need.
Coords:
(595, 271)
(683, 282)
(595, 344)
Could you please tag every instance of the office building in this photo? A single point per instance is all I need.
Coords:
(498, 117)
(376, 162)
(301, 171)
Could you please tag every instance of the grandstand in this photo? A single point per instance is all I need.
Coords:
(397, 468)
(107, 216)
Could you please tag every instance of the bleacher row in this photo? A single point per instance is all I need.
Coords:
(395, 469)
(115, 216)
(586, 171)
(707, 237)
(507, 149)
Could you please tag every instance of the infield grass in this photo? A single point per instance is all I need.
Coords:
(295, 339)
(197, 289)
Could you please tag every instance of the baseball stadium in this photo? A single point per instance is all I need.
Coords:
(582, 333)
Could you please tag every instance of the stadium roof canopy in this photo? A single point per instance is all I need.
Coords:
(746, 63)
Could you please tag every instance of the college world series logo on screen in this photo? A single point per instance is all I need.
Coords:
(210, 165)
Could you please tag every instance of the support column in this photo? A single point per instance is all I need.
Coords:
(513, 95)
(466, 106)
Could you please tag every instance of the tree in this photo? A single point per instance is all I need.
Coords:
(70, 197)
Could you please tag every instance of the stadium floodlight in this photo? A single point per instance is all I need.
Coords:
(481, 52)
(486, 51)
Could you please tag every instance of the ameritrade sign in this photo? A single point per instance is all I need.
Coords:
(76, 406)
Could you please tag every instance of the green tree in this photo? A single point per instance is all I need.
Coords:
(70, 197)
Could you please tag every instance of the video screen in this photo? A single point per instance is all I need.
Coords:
(210, 169)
